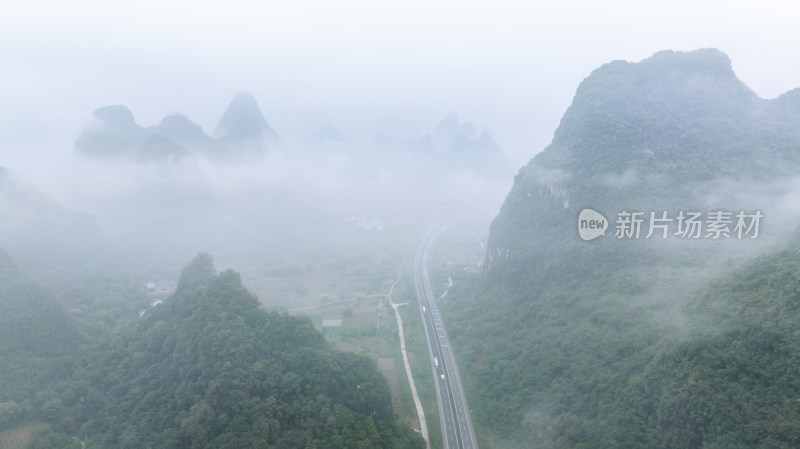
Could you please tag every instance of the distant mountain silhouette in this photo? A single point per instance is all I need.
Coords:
(457, 147)
(243, 120)
(159, 148)
(114, 134)
(28, 217)
(448, 132)
(182, 131)
(48, 240)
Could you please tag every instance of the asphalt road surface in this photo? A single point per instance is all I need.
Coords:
(457, 430)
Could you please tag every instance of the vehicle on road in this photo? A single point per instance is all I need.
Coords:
(436, 361)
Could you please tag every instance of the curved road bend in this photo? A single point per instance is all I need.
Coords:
(457, 430)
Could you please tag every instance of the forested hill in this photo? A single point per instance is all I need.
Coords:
(625, 341)
(677, 130)
(209, 368)
(32, 321)
(36, 334)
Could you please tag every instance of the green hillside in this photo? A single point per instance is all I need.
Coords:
(36, 335)
(632, 342)
(32, 322)
(209, 368)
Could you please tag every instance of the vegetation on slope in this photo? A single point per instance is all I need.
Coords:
(209, 368)
(624, 342)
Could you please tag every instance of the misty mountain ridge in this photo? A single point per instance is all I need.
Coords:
(32, 322)
(451, 147)
(42, 235)
(668, 113)
(242, 132)
(449, 130)
(244, 135)
(677, 130)
(182, 131)
(26, 209)
(457, 144)
(243, 120)
(601, 343)
(115, 133)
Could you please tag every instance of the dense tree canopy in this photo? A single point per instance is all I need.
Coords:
(209, 368)
(627, 343)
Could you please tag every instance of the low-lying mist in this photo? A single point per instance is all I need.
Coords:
(320, 204)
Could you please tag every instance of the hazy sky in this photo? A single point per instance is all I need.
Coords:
(511, 66)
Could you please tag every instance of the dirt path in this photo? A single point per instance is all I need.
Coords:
(423, 426)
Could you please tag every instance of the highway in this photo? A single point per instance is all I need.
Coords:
(457, 430)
